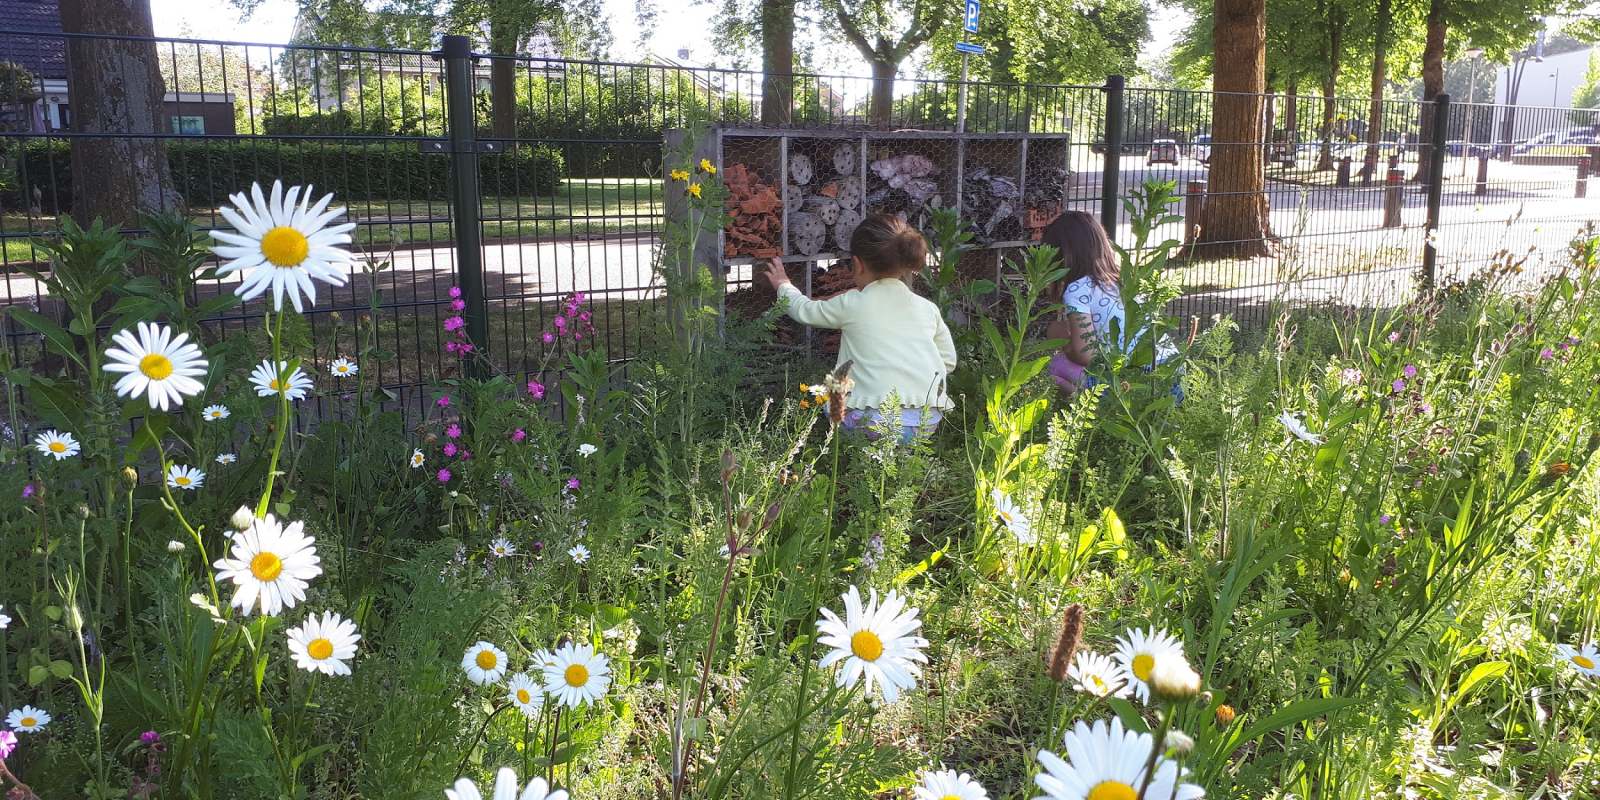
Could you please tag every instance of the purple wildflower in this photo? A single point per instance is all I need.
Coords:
(1399, 385)
(454, 431)
(8, 744)
(518, 435)
(1426, 409)
(444, 476)
(454, 323)
(444, 401)
(573, 483)
(1385, 519)
(458, 304)
(1394, 337)
(455, 291)
(1546, 354)
(1410, 371)
(536, 389)
(149, 737)
(27, 491)
(465, 454)
(548, 337)
(561, 322)
(450, 448)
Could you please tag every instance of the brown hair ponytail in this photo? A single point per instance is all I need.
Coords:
(887, 245)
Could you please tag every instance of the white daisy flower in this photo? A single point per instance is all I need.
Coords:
(57, 443)
(1137, 652)
(28, 719)
(543, 658)
(949, 785)
(484, 663)
(417, 458)
(587, 450)
(1098, 675)
(579, 553)
(502, 547)
(5, 621)
(505, 788)
(214, 413)
(182, 477)
(271, 564)
(284, 245)
(818, 391)
(577, 675)
(1585, 660)
(343, 368)
(266, 378)
(324, 645)
(526, 693)
(874, 642)
(1108, 763)
(156, 364)
(1298, 429)
(226, 458)
(1011, 514)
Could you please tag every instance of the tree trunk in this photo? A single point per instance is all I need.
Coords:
(1432, 85)
(1330, 86)
(1234, 222)
(883, 75)
(777, 62)
(503, 36)
(116, 88)
(1380, 76)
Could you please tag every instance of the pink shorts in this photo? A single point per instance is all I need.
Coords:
(1067, 373)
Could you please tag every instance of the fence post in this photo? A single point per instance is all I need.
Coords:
(1110, 178)
(1582, 189)
(464, 200)
(1342, 178)
(1393, 197)
(1193, 205)
(1483, 175)
(1441, 141)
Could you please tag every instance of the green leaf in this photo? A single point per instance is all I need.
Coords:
(37, 673)
(216, 305)
(1128, 714)
(926, 564)
(1294, 714)
(55, 338)
(61, 669)
(1479, 674)
(149, 435)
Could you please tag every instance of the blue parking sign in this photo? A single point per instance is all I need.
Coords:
(971, 23)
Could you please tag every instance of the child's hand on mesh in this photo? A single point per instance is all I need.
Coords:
(775, 273)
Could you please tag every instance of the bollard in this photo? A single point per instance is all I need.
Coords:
(1582, 189)
(1392, 194)
(1369, 165)
(1483, 175)
(1193, 206)
(1343, 178)
(1394, 162)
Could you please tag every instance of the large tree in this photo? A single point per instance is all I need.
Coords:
(117, 93)
(1235, 221)
(1050, 41)
(886, 32)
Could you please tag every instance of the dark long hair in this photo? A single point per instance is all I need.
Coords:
(1085, 251)
(888, 245)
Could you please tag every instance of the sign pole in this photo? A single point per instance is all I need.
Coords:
(969, 26)
(961, 100)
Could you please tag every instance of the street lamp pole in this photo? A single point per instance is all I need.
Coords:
(1473, 54)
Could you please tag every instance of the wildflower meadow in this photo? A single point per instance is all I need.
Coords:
(1354, 554)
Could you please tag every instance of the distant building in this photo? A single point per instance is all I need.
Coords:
(1543, 85)
(48, 108)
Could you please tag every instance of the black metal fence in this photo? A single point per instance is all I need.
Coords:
(568, 195)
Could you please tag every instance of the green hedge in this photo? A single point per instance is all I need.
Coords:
(206, 172)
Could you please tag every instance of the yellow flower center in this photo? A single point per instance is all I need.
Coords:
(1006, 515)
(523, 697)
(273, 384)
(1583, 661)
(266, 567)
(866, 646)
(58, 447)
(28, 722)
(1099, 685)
(577, 675)
(487, 660)
(319, 649)
(181, 480)
(951, 797)
(156, 367)
(285, 246)
(1113, 790)
(1142, 664)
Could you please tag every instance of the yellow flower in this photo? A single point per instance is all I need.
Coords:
(694, 189)
(805, 403)
(804, 388)
(705, 166)
(679, 175)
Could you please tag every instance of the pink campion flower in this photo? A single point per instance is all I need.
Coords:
(518, 435)
(444, 401)
(454, 323)
(1426, 409)
(1410, 371)
(1350, 376)
(450, 448)
(455, 291)
(577, 336)
(536, 389)
(465, 455)
(1384, 520)
(27, 491)
(1546, 354)
(1394, 337)
(458, 304)
(585, 317)
(8, 744)
(454, 431)
(444, 476)
(464, 348)
(450, 346)
(573, 483)
(561, 322)
(548, 337)
(578, 297)
(149, 737)
(1399, 385)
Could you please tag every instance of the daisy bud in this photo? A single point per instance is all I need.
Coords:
(1066, 642)
(83, 512)
(1224, 716)
(1179, 743)
(130, 477)
(242, 519)
(1172, 679)
(1521, 459)
(334, 316)
(175, 546)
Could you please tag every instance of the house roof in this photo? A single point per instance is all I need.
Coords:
(44, 56)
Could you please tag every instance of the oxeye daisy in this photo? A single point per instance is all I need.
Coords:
(587, 450)
(1298, 429)
(505, 788)
(268, 380)
(579, 553)
(875, 642)
(213, 413)
(1585, 660)
(343, 368)
(226, 458)
(57, 444)
(417, 458)
(1098, 675)
(1108, 763)
(324, 645)
(1137, 652)
(526, 693)
(156, 364)
(577, 675)
(949, 785)
(1010, 514)
(182, 477)
(484, 663)
(5, 621)
(284, 245)
(502, 547)
(271, 564)
(28, 719)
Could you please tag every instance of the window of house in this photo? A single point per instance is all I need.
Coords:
(191, 125)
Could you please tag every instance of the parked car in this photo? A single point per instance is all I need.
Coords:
(1163, 151)
(1128, 148)
(1556, 143)
(1200, 150)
